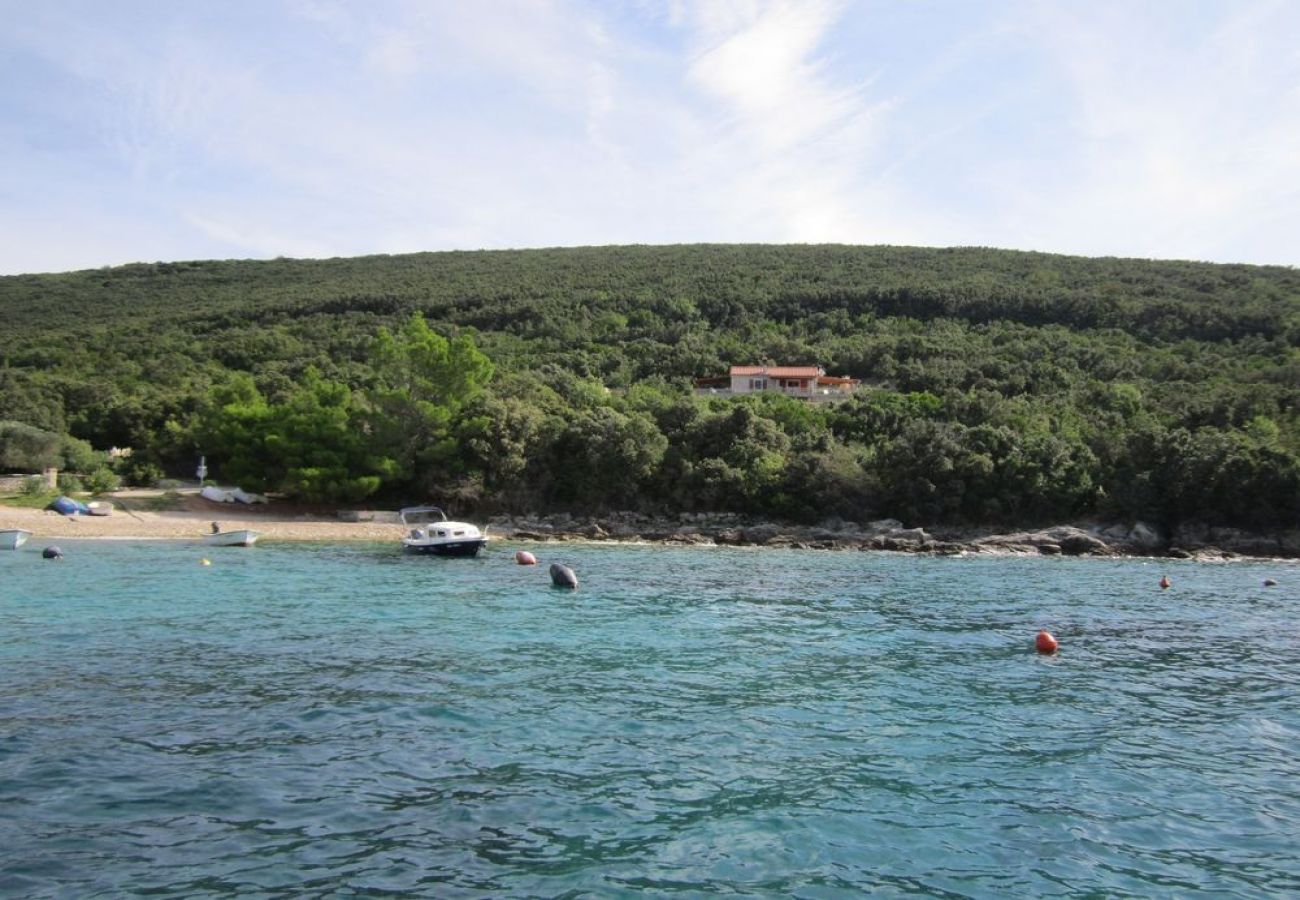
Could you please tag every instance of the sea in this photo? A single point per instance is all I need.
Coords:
(341, 720)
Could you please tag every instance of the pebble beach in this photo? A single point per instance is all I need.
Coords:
(280, 524)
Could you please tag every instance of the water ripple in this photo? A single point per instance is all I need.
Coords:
(326, 720)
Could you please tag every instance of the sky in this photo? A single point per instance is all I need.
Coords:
(147, 130)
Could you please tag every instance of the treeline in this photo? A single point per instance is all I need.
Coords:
(999, 387)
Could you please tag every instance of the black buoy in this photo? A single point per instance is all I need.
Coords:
(52, 553)
(563, 576)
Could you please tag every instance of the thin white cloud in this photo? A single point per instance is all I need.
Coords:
(1176, 144)
(792, 144)
(339, 128)
(766, 72)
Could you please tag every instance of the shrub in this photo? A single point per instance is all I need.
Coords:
(79, 456)
(102, 480)
(25, 447)
(140, 473)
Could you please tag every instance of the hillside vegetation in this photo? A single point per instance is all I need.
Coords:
(999, 387)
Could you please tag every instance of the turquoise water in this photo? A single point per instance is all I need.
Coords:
(311, 720)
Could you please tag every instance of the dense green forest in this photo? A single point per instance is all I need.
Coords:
(999, 387)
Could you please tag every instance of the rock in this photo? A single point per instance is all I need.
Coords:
(947, 548)
(1083, 544)
(759, 534)
(1072, 541)
(1201, 537)
(909, 535)
(1146, 537)
(1245, 543)
(1289, 541)
(1192, 534)
(1049, 549)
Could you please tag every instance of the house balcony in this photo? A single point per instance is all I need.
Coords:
(813, 395)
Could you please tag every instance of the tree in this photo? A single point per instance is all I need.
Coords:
(25, 448)
(825, 483)
(602, 458)
(500, 437)
(422, 381)
(310, 447)
(738, 458)
(315, 441)
(24, 399)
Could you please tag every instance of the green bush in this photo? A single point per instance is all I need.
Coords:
(102, 481)
(25, 447)
(79, 456)
(140, 473)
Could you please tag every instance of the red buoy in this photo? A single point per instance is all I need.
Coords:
(524, 558)
(1165, 582)
(1045, 643)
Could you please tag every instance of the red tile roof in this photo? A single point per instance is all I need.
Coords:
(779, 371)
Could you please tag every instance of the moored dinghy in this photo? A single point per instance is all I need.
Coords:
(13, 538)
(242, 537)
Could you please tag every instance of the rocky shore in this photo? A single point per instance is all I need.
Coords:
(285, 522)
(1139, 539)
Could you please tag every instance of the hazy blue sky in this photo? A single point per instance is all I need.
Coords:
(170, 130)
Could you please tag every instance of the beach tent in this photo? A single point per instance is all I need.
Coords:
(66, 506)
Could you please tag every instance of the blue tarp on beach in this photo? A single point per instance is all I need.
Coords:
(68, 507)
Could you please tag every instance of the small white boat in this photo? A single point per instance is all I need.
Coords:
(13, 538)
(242, 537)
(432, 532)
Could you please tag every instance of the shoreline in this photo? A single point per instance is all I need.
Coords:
(292, 524)
(192, 525)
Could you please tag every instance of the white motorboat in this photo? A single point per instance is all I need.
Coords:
(13, 538)
(432, 532)
(242, 537)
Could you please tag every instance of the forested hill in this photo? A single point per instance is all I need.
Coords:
(999, 386)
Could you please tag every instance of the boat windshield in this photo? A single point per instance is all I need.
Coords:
(422, 515)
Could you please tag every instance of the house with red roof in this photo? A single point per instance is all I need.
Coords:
(805, 382)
